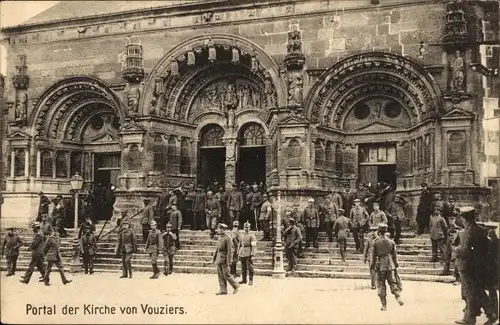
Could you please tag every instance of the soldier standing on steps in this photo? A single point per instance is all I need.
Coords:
(236, 240)
(88, 246)
(53, 256)
(222, 258)
(43, 207)
(176, 223)
(153, 245)
(293, 238)
(10, 248)
(127, 245)
(213, 211)
(359, 217)
(46, 226)
(169, 249)
(310, 217)
(36, 247)
(368, 251)
(266, 210)
(384, 260)
(246, 253)
(341, 228)
(147, 217)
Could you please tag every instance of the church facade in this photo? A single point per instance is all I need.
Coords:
(306, 96)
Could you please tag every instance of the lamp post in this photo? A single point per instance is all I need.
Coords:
(279, 271)
(76, 185)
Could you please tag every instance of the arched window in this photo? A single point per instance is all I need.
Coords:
(293, 153)
(252, 134)
(319, 155)
(76, 163)
(172, 156)
(19, 163)
(339, 161)
(185, 157)
(62, 164)
(211, 136)
(329, 155)
(134, 158)
(159, 154)
(46, 163)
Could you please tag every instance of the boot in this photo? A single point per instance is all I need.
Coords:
(384, 303)
(130, 273)
(250, 283)
(400, 302)
(156, 271)
(91, 266)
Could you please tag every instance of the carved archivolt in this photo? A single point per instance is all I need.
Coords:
(363, 75)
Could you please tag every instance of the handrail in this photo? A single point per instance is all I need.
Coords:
(132, 217)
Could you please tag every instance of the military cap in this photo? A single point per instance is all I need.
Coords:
(382, 226)
(40, 193)
(341, 210)
(168, 225)
(11, 228)
(311, 200)
(376, 203)
(152, 223)
(36, 224)
(373, 228)
(124, 222)
(357, 200)
(236, 223)
(246, 225)
(291, 220)
(467, 212)
(146, 200)
(437, 192)
(222, 226)
(423, 184)
(451, 198)
(124, 212)
(210, 192)
(255, 185)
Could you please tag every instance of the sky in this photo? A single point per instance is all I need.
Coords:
(15, 13)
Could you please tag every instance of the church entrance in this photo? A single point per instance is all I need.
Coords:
(251, 166)
(377, 164)
(212, 155)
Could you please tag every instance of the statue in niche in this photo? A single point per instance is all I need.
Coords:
(254, 67)
(157, 91)
(269, 90)
(212, 52)
(21, 107)
(133, 101)
(191, 58)
(457, 73)
(294, 42)
(174, 68)
(230, 99)
(295, 91)
(236, 55)
(255, 98)
(212, 97)
(230, 116)
(246, 96)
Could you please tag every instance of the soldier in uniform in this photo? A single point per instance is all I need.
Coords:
(451, 210)
(438, 230)
(423, 209)
(396, 212)
(266, 210)
(147, 217)
(43, 207)
(341, 228)
(46, 226)
(348, 200)
(368, 251)
(255, 203)
(235, 204)
(297, 216)
(199, 206)
(449, 257)
(247, 251)
(36, 248)
(169, 249)
(212, 213)
(236, 240)
(330, 210)
(384, 260)
(10, 248)
(440, 205)
(223, 258)
(293, 237)
(127, 245)
(154, 244)
(359, 217)
(310, 217)
(377, 216)
(176, 223)
(53, 256)
(161, 207)
(88, 246)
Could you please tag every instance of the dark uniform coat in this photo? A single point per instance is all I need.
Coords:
(88, 244)
(293, 237)
(169, 243)
(36, 245)
(51, 249)
(310, 217)
(176, 219)
(236, 201)
(127, 242)
(224, 251)
(11, 245)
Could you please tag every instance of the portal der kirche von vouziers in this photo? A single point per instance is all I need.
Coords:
(303, 95)
(94, 309)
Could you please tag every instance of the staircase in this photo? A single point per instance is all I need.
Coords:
(195, 256)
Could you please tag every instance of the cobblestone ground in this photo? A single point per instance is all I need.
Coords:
(270, 300)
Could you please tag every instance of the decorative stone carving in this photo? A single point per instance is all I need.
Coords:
(157, 91)
(21, 108)
(295, 91)
(235, 55)
(174, 68)
(191, 58)
(294, 58)
(212, 52)
(230, 117)
(270, 91)
(133, 101)
(254, 64)
(455, 31)
(134, 70)
(457, 73)
(21, 80)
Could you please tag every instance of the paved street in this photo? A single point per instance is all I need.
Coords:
(270, 300)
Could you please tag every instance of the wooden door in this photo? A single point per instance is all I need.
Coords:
(368, 174)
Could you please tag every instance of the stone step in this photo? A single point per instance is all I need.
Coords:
(348, 268)
(365, 275)
(354, 262)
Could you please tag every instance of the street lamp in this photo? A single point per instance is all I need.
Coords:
(279, 271)
(76, 185)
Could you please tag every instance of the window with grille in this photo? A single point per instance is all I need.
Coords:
(46, 162)
(211, 136)
(252, 134)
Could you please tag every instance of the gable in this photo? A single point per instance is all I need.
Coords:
(459, 113)
(377, 127)
(18, 135)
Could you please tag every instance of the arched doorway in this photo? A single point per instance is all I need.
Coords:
(251, 166)
(212, 155)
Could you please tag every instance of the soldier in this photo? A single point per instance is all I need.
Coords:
(43, 207)
(88, 247)
(337, 199)
(46, 226)
(423, 209)
(255, 203)
(286, 218)
(87, 223)
(10, 248)
(377, 216)
(247, 252)
(199, 206)
(59, 214)
(53, 256)
(153, 245)
(297, 216)
(453, 229)
(438, 230)
(176, 223)
(341, 228)
(127, 245)
(359, 217)
(310, 217)
(147, 217)
(451, 210)
(440, 205)
(169, 249)
(173, 200)
(235, 204)
(348, 200)
(330, 210)
(384, 260)
(266, 210)
(368, 253)
(212, 213)
(236, 240)
(492, 285)
(36, 247)
(123, 218)
(396, 212)
(161, 207)
(223, 258)
(293, 237)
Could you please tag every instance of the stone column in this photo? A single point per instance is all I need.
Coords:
(12, 162)
(38, 163)
(230, 164)
(26, 163)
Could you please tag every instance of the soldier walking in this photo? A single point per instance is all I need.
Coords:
(169, 249)
(10, 248)
(88, 247)
(310, 217)
(255, 204)
(147, 218)
(43, 207)
(213, 211)
(438, 230)
(46, 226)
(396, 212)
(368, 251)
(53, 256)
(176, 223)
(127, 245)
(359, 217)
(247, 252)
(153, 245)
(384, 260)
(293, 237)
(331, 212)
(236, 240)
(199, 207)
(341, 228)
(423, 209)
(36, 248)
(266, 210)
(223, 258)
